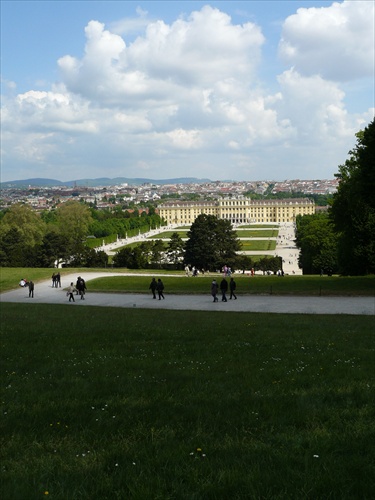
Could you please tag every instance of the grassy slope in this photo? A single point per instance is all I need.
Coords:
(108, 403)
(289, 285)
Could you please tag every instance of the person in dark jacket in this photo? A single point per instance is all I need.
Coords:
(224, 288)
(31, 289)
(232, 287)
(152, 287)
(160, 288)
(214, 290)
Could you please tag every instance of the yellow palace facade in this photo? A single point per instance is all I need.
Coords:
(237, 210)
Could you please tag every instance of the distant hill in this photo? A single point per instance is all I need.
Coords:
(103, 181)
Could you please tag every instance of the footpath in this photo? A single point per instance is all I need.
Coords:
(45, 294)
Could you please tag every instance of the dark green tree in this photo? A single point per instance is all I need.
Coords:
(243, 262)
(175, 250)
(266, 264)
(123, 258)
(212, 243)
(353, 207)
(157, 252)
(13, 248)
(88, 257)
(317, 241)
(133, 258)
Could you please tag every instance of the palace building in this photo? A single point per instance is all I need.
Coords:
(237, 210)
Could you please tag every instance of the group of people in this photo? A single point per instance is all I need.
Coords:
(30, 284)
(56, 280)
(79, 289)
(194, 271)
(224, 289)
(227, 271)
(157, 286)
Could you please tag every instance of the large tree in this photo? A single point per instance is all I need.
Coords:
(175, 250)
(317, 241)
(212, 243)
(26, 221)
(74, 220)
(353, 207)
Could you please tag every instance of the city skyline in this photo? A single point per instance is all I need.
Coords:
(220, 90)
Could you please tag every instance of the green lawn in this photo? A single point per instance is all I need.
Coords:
(257, 245)
(167, 235)
(246, 285)
(261, 233)
(259, 226)
(102, 403)
(176, 282)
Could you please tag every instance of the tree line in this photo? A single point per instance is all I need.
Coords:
(30, 239)
(342, 240)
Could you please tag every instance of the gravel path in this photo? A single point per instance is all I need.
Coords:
(44, 293)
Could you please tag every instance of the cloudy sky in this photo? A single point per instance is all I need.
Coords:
(242, 90)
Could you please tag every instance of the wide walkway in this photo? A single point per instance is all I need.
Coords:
(44, 293)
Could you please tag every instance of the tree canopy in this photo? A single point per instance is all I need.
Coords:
(212, 243)
(353, 207)
(317, 241)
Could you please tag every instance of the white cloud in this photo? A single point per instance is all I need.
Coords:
(335, 42)
(186, 97)
(185, 139)
(130, 25)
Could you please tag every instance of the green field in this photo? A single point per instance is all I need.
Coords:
(261, 233)
(259, 226)
(258, 245)
(137, 281)
(241, 233)
(102, 403)
(246, 285)
(167, 235)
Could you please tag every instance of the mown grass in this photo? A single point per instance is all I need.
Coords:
(112, 403)
(259, 226)
(167, 235)
(258, 245)
(246, 245)
(138, 280)
(246, 285)
(261, 233)
(241, 233)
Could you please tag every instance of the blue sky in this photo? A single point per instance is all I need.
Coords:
(222, 90)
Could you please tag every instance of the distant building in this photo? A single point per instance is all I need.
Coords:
(237, 210)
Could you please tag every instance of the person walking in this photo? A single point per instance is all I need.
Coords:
(70, 292)
(160, 288)
(31, 289)
(232, 287)
(224, 288)
(214, 290)
(81, 287)
(152, 287)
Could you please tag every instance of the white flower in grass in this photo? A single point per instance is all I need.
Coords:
(316, 456)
